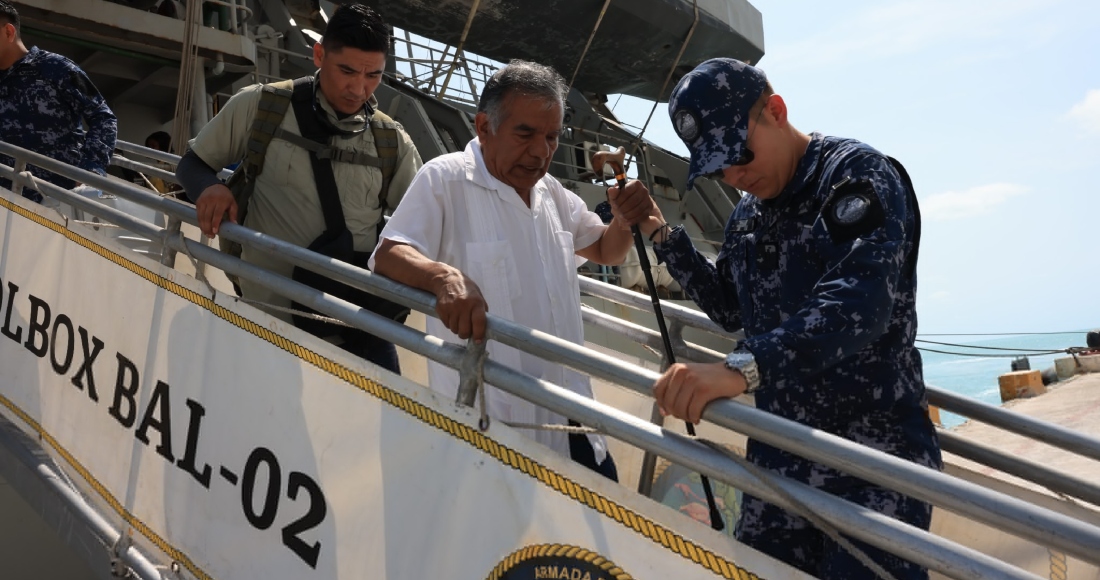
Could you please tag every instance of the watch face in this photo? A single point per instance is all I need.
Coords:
(736, 360)
(744, 363)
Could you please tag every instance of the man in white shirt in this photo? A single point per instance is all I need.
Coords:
(488, 230)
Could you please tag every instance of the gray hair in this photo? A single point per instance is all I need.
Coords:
(520, 76)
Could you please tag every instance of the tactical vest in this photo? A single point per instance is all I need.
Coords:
(275, 100)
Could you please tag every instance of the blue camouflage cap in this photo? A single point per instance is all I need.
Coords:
(709, 109)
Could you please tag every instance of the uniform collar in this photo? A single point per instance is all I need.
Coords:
(804, 174)
(478, 173)
(351, 123)
(31, 55)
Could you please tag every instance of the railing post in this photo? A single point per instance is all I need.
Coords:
(200, 267)
(233, 16)
(17, 185)
(470, 374)
(409, 52)
(167, 253)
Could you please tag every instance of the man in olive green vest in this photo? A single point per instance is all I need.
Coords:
(290, 135)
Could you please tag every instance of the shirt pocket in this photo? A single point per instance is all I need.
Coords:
(493, 266)
(280, 161)
(802, 268)
(740, 257)
(567, 289)
(566, 247)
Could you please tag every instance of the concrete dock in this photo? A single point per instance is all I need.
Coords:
(1073, 404)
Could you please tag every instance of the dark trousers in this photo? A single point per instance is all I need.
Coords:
(580, 449)
(794, 540)
(373, 349)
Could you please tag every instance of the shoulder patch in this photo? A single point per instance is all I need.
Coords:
(686, 124)
(852, 210)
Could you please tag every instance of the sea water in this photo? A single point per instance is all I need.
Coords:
(973, 372)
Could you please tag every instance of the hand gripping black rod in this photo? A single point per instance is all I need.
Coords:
(616, 160)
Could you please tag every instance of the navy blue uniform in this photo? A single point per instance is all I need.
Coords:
(822, 278)
(44, 98)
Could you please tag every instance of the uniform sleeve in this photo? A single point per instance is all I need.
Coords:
(195, 175)
(224, 140)
(408, 163)
(418, 220)
(99, 142)
(701, 280)
(851, 305)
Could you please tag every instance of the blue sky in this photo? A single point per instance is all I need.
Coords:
(994, 109)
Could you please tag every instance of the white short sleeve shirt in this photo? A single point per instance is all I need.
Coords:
(523, 258)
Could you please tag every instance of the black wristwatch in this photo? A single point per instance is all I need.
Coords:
(742, 361)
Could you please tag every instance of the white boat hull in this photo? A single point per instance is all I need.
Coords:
(242, 448)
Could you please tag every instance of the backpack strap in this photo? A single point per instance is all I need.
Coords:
(386, 140)
(272, 108)
(274, 102)
(325, 151)
(315, 138)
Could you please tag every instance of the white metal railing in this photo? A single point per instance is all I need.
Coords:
(1043, 526)
(686, 317)
(683, 317)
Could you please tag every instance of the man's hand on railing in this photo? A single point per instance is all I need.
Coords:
(459, 303)
(214, 203)
(461, 306)
(686, 388)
